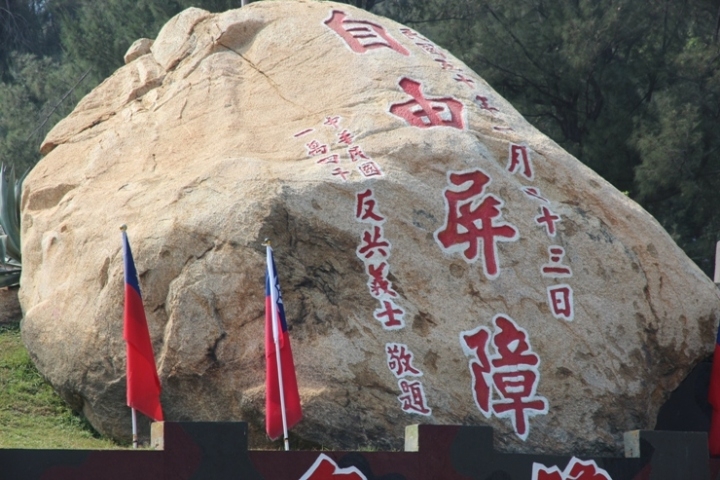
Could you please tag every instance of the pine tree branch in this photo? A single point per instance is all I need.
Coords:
(515, 39)
(36, 129)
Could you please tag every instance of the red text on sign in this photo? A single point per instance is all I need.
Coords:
(361, 35)
(473, 224)
(423, 112)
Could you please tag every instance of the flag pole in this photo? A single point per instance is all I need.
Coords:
(134, 428)
(123, 228)
(276, 339)
(143, 386)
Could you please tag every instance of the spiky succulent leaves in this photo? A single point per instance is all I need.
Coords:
(10, 269)
(3, 248)
(10, 191)
(9, 276)
(10, 256)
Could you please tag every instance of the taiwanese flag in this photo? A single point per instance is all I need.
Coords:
(143, 385)
(284, 379)
(714, 399)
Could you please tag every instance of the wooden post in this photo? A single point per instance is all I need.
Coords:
(157, 435)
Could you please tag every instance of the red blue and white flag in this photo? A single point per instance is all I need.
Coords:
(278, 381)
(714, 399)
(143, 384)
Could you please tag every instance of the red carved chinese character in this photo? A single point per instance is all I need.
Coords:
(555, 269)
(548, 218)
(515, 376)
(378, 284)
(333, 122)
(472, 219)
(373, 245)
(424, 112)
(533, 192)
(366, 210)
(474, 344)
(512, 345)
(370, 169)
(585, 470)
(560, 298)
(445, 64)
(547, 475)
(430, 48)
(466, 80)
(316, 148)
(485, 104)
(412, 34)
(345, 137)
(517, 390)
(519, 155)
(413, 398)
(325, 468)
(511, 373)
(390, 315)
(304, 132)
(330, 159)
(362, 35)
(576, 469)
(399, 360)
(339, 172)
(356, 153)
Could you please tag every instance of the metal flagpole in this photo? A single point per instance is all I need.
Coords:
(242, 4)
(276, 339)
(134, 428)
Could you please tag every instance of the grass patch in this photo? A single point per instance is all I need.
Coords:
(32, 415)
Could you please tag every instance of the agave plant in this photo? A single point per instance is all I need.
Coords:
(10, 256)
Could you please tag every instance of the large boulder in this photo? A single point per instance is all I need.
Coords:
(441, 260)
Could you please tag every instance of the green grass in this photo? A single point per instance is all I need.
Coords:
(32, 415)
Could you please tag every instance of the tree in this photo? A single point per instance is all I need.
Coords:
(678, 178)
(38, 93)
(10, 254)
(25, 27)
(629, 88)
